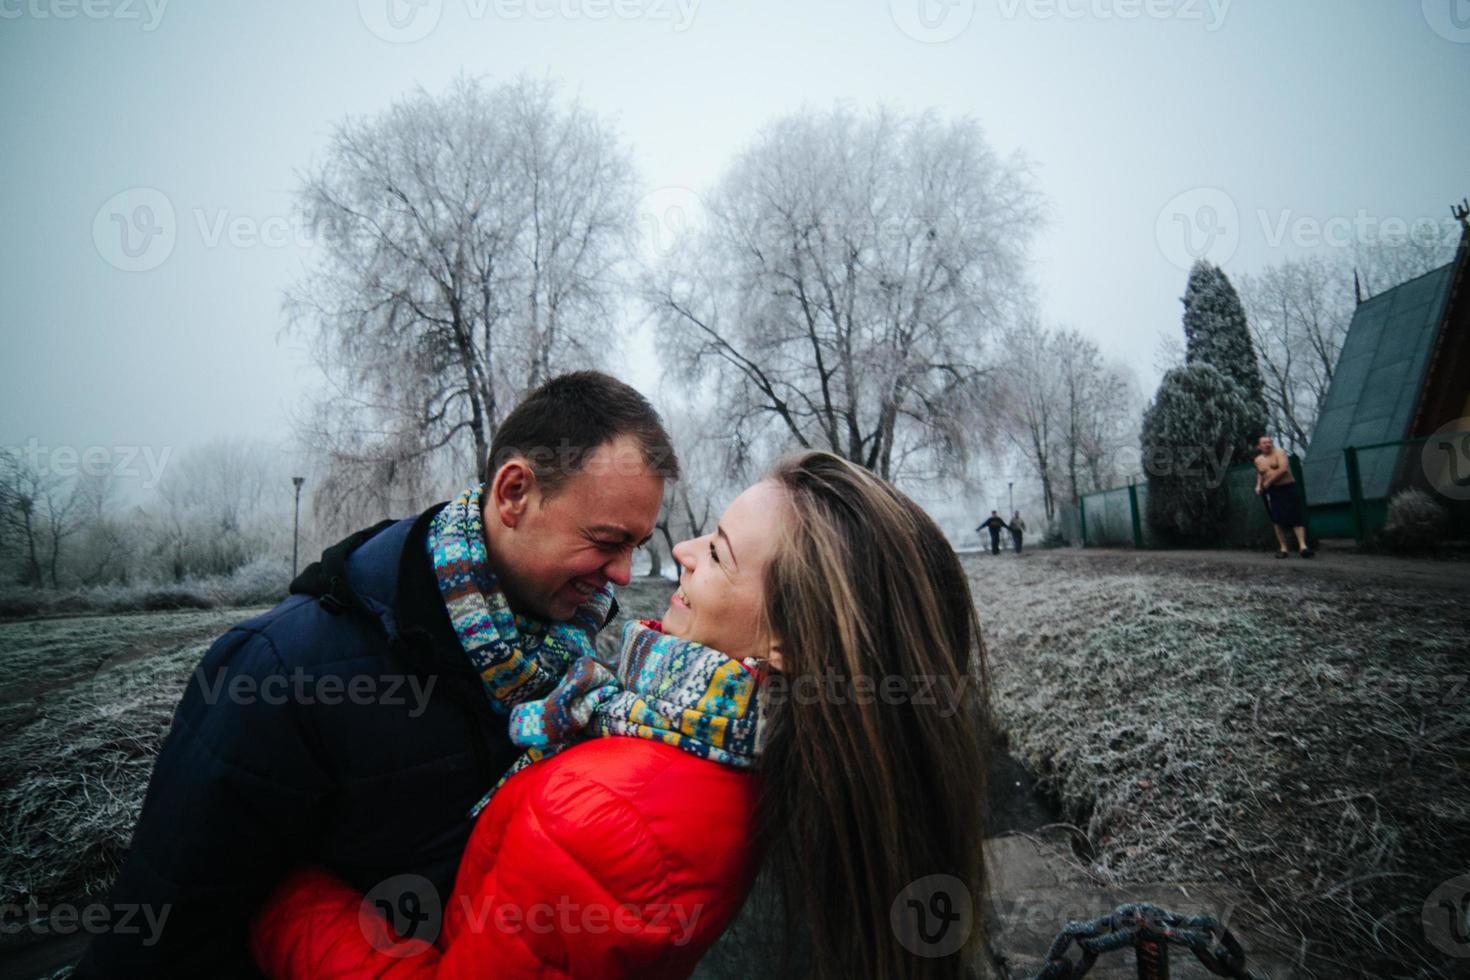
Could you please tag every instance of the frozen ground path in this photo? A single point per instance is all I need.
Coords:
(1333, 563)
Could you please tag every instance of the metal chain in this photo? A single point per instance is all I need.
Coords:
(1140, 922)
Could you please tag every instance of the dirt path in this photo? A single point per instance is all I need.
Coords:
(1333, 565)
(41, 659)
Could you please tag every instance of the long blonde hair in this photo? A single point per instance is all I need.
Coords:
(860, 800)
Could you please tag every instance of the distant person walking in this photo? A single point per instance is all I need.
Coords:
(1278, 491)
(993, 524)
(1018, 529)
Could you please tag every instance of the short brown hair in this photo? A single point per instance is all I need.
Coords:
(560, 424)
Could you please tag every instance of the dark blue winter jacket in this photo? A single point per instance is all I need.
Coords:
(345, 728)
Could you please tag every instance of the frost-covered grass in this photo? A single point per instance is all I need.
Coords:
(1303, 738)
(261, 582)
(84, 706)
(44, 658)
(1300, 736)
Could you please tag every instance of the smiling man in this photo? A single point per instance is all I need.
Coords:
(393, 665)
(562, 517)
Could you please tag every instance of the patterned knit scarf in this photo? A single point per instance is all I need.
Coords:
(517, 657)
(670, 690)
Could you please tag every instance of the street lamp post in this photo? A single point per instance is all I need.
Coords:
(296, 481)
(1010, 497)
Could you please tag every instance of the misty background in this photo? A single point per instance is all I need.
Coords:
(1152, 134)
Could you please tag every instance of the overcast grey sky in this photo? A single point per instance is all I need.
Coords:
(1249, 125)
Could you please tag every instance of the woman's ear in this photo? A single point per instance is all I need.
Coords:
(773, 657)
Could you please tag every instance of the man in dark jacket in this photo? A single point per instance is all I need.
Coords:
(346, 727)
(993, 523)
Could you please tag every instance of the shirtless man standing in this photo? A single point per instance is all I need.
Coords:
(1277, 487)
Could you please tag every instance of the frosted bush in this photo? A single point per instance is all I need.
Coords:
(1416, 521)
(262, 582)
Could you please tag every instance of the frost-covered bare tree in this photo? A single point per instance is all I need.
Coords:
(1067, 410)
(1169, 352)
(712, 473)
(1103, 400)
(39, 512)
(20, 525)
(1032, 403)
(842, 289)
(221, 505)
(1299, 312)
(1300, 309)
(107, 549)
(469, 244)
(1391, 259)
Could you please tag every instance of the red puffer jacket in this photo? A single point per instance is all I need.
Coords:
(617, 857)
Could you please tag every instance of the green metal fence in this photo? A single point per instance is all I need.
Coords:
(1116, 518)
(1361, 482)
(1375, 473)
(1111, 518)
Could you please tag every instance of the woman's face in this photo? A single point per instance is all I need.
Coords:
(722, 576)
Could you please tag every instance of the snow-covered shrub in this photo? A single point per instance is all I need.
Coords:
(162, 600)
(1197, 425)
(1416, 522)
(17, 602)
(1216, 333)
(262, 582)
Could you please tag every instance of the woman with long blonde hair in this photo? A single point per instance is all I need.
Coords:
(812, 703)
(861, 797)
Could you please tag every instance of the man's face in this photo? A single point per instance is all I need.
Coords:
(551, 554)
(1266, 445)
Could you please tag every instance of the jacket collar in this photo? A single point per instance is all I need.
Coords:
(384, 572)
(418, 606)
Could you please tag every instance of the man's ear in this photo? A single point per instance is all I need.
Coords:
(513, 491)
